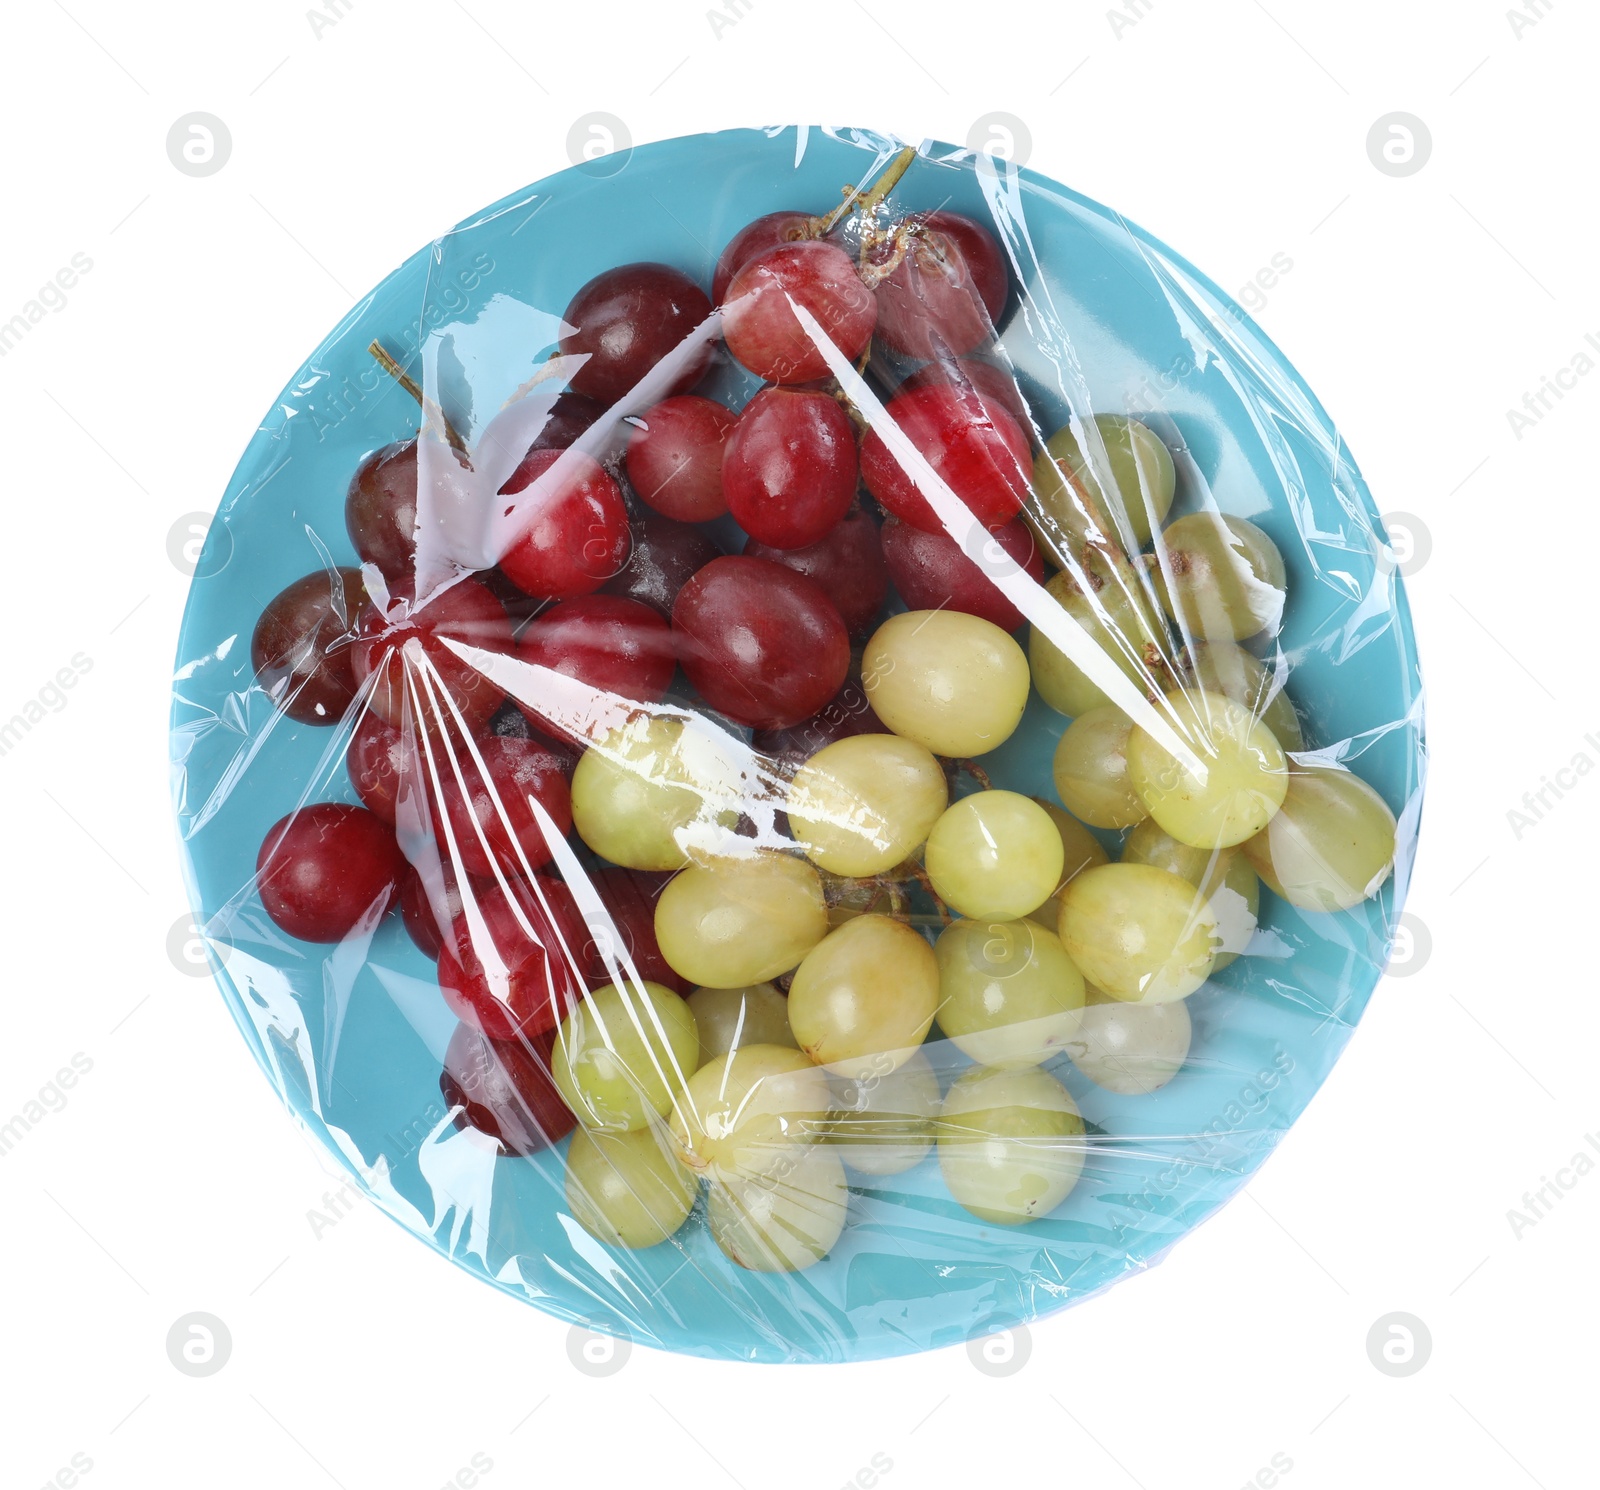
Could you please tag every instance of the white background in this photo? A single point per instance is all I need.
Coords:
(1420, 308)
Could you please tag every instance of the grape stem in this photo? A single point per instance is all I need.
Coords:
(926, 881)
(975, 771)
(867, 201)
(432, 412)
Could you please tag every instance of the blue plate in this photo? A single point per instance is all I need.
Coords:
(1102, 316)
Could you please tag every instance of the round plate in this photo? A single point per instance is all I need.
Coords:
(1101, 315)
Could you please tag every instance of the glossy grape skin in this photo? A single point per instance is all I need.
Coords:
(485, 800)
(664, 554)
(786, 1220)
(613, 644)
(574, 533)
(1219, 577)
(1139, 933)
(675, 457)
(1120, 621)
(380, 512)
(968, 375)
(1245, 772)
(847, 562)
(1131, 1049)
(1080, 850)
(512, 964)
(946, 293)
(971, 444)
(1011, 1144)
(626, 1189)
(626, 320)
(746, 1112)
(954, 683)
(883, 1122)
(1330, 846)
(756, 238)
(328, 871)
(467, 613)
(933, 572)
(647, 790)
(995, 855)
(866, 803)
(759, 323)
(865, 996)
(1223, 876)
(630, 896)
(1226, 668)
(762, 644)
(302, 650)
(504, 1090)
(846, 714)
(730, 922)
(1009, 996)
(1091, 770)
(789, 473)
(426, 924)
(1142, 473)
(623, 1055)
(730, 1017)
(383, 762)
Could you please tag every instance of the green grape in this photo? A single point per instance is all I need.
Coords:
(1009, 994)
(746, 1110)
(1141, 473)
(623, 1055)
(1220, 578)
(650, 790)
(1011, 1144)
(1120, 620)
(626, 1188)
(883, 1121)
(1222, 875)
(995, 854)
(784, 1220)
(954, 683)
(1131, 1049)
(865, 803)
(865, 996)
(730, 1017)
(731, 922)
(1332, 844)
(1141, 934)
(1226, 668)
(1245, 772)
(1080, 849)
(1091, 770)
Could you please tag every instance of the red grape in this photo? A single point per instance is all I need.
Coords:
(383, 762)
(380, 510)
(518, 772)
(968, 375)
(848, 564)
(943, 296)
(423, 919)
(675, 457)
(764, 645)
(611, 643)
(790, 469)
(846, 713)
(664, 554)
(755, 238)
(574, 526)
(504, 1089)
(933, 572)
(625, 321)
(466, 613)
(327, 870)
(758, 318)
(504, 980)
(971, 443)
(301, 649)
(630, 895)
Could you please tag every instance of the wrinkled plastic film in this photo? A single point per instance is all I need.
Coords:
(832, 1229)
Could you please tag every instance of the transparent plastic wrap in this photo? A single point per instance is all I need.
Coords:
(796, 748)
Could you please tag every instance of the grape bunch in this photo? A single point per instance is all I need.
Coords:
(700, 839)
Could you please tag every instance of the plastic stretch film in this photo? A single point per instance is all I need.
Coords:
(797, 748)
